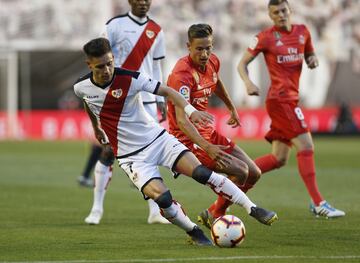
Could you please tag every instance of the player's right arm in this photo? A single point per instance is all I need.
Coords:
(242, 68)
(214, 151)
(99, 133)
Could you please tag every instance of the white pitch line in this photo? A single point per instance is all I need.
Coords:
(189, 259)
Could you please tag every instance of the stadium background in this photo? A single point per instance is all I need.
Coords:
(40, 59)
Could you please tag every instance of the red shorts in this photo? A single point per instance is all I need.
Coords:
(216, 139)
(287, 121)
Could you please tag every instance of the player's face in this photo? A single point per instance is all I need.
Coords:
(140, 7)
(102, 68)
(200, 50)
(280, 15)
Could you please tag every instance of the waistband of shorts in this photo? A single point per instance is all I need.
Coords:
(141, 149)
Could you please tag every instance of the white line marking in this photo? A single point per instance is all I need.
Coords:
(188, 259)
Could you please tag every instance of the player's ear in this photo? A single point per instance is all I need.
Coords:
(188, 45)
(88, 63)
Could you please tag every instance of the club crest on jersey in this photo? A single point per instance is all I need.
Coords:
(150, 34)
(301, 39)
(215, 77)
(185, 92)
(116, 93)
(254, 43)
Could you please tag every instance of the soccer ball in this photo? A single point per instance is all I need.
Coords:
(228, 231)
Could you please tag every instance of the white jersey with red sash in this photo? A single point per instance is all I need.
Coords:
(121, 114)
(136, 44)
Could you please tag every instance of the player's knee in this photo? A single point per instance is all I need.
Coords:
(281, 161)
(107, 156)
(201, 174)
(164, 200)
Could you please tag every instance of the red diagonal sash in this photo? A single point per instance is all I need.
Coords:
(142, 47)
(111, 110)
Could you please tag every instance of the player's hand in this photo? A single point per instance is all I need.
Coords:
(218, 154)
(100, 136)
(201, 118)
(234, 120)
(161, 105)
(252, 89)
(312, 61)
(222, 158)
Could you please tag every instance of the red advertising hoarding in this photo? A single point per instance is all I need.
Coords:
(75, 125)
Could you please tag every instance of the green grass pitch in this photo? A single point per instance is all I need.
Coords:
(42, 210)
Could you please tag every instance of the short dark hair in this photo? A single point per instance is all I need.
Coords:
(199, 31)
(277, 2)
(97, 47)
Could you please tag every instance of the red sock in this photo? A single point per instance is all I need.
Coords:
(306, 166)
(218, 208)
(267, 163)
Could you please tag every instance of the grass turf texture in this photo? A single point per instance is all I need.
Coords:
(42, 210)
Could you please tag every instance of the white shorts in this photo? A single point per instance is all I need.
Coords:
(142, 167)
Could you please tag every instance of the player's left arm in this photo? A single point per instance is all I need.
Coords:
(223, 94)
(160, 101)
(311, 60)
(310, 56)
(198, 117)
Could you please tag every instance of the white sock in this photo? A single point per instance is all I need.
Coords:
(102, 178)
(153, 208)
(227, 189)
(177, 216)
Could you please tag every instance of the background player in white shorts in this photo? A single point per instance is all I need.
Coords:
(138, 44)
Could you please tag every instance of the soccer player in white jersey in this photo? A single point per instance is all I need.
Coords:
(138, 44)
(111, 96)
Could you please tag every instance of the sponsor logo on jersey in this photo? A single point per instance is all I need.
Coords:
(116, 93)
(149, 33)
(185, 92)
(254, 43)
(302, 39)
(92, 97)
(290, 58)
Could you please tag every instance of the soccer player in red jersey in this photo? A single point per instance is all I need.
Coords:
(196, 77)
(285, 46)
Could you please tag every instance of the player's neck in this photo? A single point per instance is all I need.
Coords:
(138, 19)
(286, 28)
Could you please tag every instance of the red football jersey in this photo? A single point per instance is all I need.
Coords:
(284, 53)
(196, 86)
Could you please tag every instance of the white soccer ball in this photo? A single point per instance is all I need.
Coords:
(228, 231)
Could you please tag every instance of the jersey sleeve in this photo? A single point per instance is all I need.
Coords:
(309, 48)
(257, 45)
(159, 50)
(78, 92)
(182, 83)
(145, 83)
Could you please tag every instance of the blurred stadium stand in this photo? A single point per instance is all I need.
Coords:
(41, 41)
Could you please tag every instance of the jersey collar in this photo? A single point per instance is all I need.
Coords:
(138, 20)
(197, 67)
(101, 86)
(283, 31)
